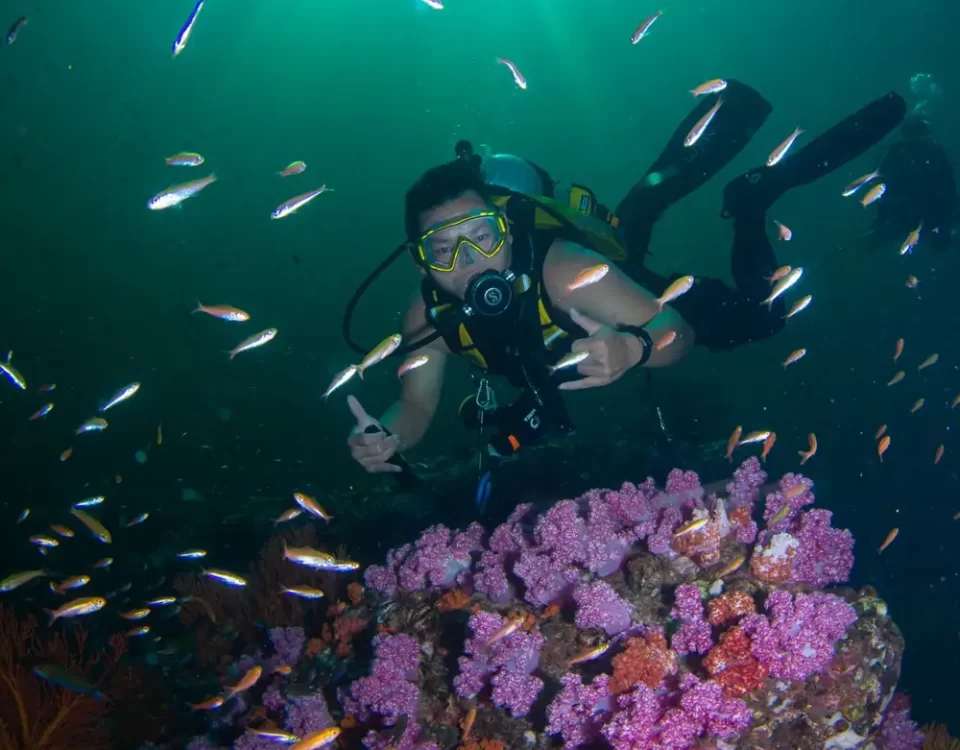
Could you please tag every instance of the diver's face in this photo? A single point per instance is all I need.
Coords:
(470, 263)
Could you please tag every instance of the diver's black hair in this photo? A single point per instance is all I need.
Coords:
(439, 185)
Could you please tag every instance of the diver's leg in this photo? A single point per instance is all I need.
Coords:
(679, 170)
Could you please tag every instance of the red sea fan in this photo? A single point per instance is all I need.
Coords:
(35, 715)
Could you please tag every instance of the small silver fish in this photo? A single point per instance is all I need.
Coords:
(569, 360)
(697, 130)
(90, 502)
(96, 424)
(122, 395)
(380, 352)
(783, 285)
(297, 202)
(192, 554)
(514, 71)
(13, 373)
(340, 378)
(231, 579)
(177, 194)
(44, 541)
(254, 341)
(184, 159)
(138, 520)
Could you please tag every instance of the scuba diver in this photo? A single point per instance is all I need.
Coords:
(921, 188)
(498, 252)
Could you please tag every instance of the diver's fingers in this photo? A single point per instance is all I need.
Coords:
(364, 420)
(586, 323)
(591, 367)
(382, 468)
(576, 385)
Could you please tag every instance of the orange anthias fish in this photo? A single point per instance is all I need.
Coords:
(889, 540)
(66, 454)
(784, 232)
(779, 274)
(664, 341)
(875, 194)
(246, 682)
(767, 445)
(412, 363)
(799, 488)
(733, 442)
(208, 704)
(316, 740)
(931, 360)
(644, 28)
(912, 239)
(795, 356)
(898, 350)
(939, 454)
(467, 724)
(880, 432)
(295, 167)
(679, 287)
(339, 379)
(512, 625)
(714, 86)
(312, 507)
(224, 312)
(882, 446)
(811, 452)
(588, 276)
(780, 151)
(96, 528)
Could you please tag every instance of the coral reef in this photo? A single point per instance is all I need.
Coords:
(675, 620)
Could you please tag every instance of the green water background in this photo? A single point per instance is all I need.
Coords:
(97, 289)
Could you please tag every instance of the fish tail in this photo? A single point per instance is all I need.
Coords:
(53, 616)
(199, 307)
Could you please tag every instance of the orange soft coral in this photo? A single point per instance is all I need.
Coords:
(355, 593)
(732, 664)
(646, 659)
(453, 600)
(729, 608)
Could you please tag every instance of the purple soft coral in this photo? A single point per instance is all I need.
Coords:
(516, 654)
(796, 639)
(288, 644)
(695, 634)
(599, 606)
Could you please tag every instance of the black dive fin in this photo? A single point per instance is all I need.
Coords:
(679, 170)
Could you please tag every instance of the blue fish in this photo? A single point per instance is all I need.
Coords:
(483, 492)
(67, 678)
(180, 43)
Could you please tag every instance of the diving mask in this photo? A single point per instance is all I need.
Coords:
(482, 231)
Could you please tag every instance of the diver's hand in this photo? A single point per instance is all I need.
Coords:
(372, 450)
(610, 354)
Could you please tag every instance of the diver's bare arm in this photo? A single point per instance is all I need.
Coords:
(410, 416)
(614, 300)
